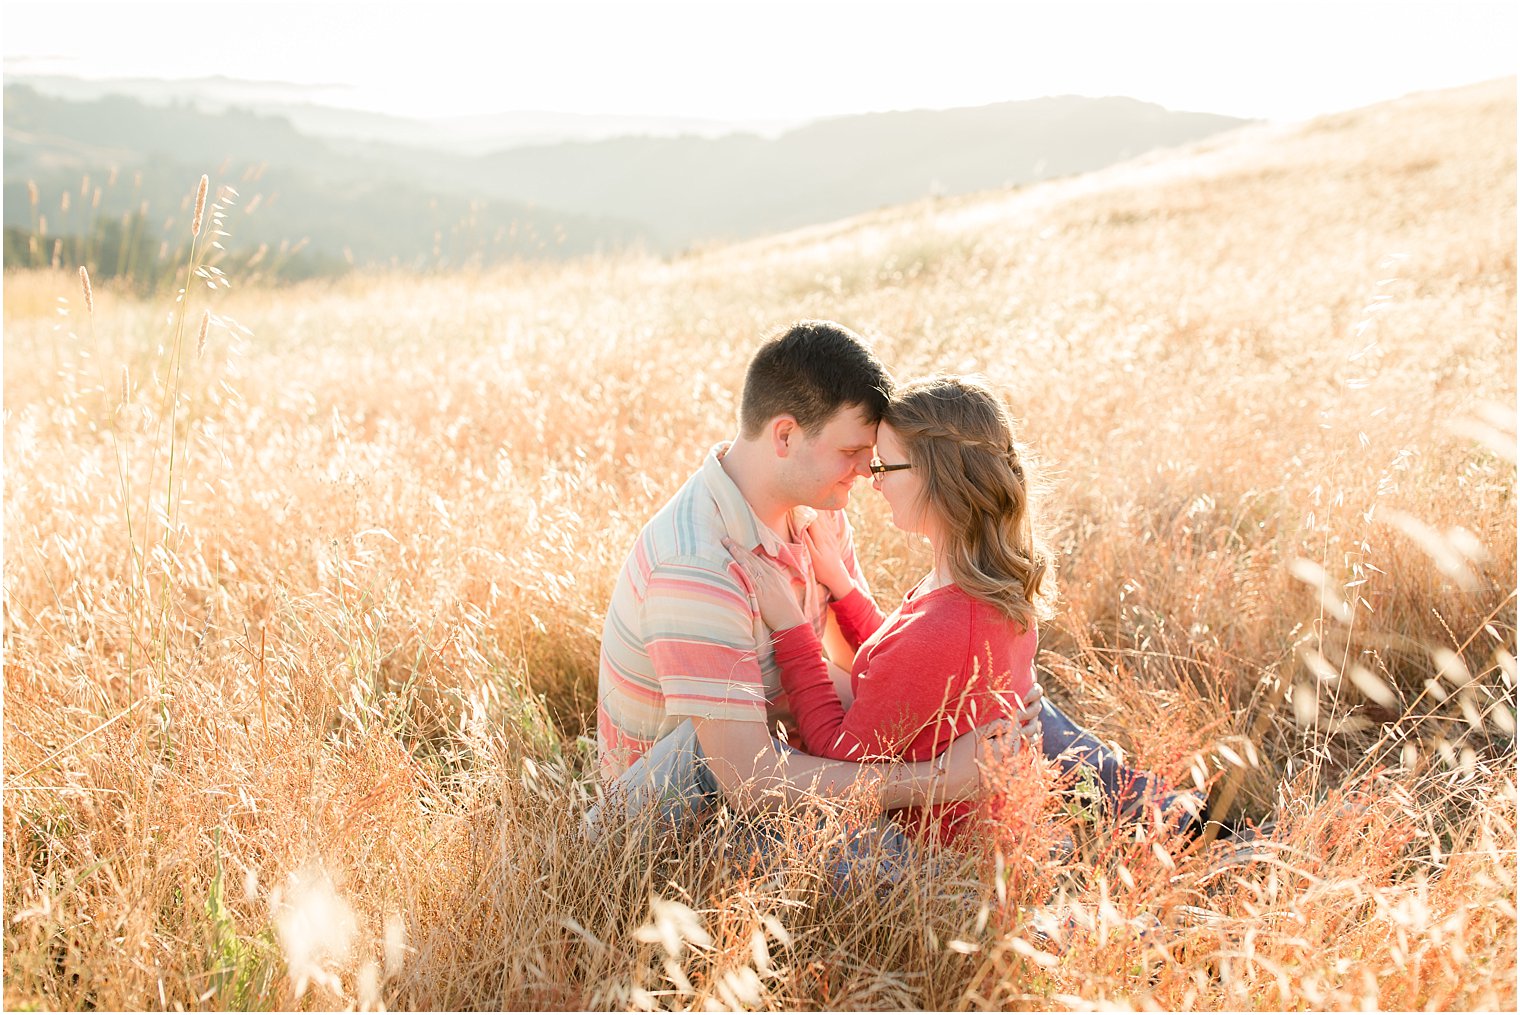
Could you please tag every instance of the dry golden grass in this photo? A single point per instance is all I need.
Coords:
(302, 612)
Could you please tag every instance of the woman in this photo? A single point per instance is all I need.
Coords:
(959, 651)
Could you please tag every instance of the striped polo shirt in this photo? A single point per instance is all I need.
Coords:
(683, 636)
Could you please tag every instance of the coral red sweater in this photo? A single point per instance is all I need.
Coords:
(943, 663)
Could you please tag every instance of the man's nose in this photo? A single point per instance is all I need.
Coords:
(863, 469)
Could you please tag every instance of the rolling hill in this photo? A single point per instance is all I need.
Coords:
(370, 202)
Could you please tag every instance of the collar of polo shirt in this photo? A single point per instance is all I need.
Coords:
(739, 518)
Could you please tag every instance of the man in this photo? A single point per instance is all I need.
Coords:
(689, 694)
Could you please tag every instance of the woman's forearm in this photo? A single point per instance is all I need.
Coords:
(819, 713)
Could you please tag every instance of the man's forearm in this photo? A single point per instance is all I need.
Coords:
(754, 775)
(792, 777)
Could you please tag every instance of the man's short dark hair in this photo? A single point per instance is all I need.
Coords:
(810, 372)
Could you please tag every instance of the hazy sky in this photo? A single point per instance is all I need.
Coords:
(749, 61)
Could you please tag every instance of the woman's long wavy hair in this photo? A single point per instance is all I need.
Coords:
(959, 439)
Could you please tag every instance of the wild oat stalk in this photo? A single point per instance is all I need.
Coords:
(169, 413)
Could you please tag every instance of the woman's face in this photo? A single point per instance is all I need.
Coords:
(901, 488)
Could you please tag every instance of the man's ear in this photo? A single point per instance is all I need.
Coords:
(784, 434)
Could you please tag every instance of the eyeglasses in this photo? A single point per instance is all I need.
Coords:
(878, 470)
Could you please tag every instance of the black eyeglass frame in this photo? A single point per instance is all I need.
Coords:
(878, 469)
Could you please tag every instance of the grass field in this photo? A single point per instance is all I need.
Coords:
(301, 623)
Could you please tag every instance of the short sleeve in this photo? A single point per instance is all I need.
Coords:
(700, 634)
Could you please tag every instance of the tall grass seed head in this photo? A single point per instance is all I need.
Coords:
(200, 206)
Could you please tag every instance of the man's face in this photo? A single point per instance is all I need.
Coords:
(825, 464)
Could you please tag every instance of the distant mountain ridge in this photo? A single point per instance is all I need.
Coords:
(739, 186)
(310, 110)
(341, 206)
(366, 201)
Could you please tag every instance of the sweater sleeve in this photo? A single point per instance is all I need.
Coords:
(913, 670)
(858, 616)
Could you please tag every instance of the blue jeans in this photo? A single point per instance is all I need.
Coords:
(1125, 789)
(674, 778)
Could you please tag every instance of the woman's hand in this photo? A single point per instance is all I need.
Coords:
(773, 589)
(822, 539)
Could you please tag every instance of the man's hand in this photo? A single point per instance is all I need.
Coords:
(1027, 716)
(959, 768)
(997, 741)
